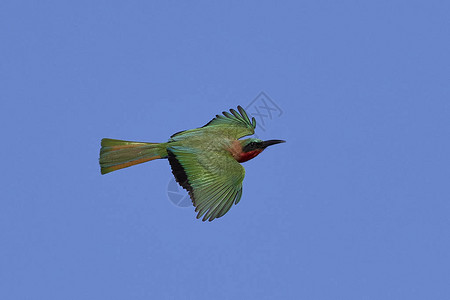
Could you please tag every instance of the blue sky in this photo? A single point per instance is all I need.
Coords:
(354, 206)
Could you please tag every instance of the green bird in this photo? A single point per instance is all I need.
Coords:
(205, 161)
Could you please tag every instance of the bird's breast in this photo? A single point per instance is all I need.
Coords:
(244, 156)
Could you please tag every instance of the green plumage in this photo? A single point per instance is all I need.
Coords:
(202, 160)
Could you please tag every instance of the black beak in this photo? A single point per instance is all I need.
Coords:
(268, 143)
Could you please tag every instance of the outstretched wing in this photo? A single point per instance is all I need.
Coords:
(231, 124)
(214, 181)
(238, 123)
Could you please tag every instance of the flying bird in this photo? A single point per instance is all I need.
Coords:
(205, 161)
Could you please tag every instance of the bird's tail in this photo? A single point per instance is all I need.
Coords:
(118, 154)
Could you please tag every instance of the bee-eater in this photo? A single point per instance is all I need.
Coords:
(205, 161)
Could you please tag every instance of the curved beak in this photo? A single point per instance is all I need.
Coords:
(268, 143)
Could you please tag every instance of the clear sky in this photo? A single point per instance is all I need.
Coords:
(356, 204)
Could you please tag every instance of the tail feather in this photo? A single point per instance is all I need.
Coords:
(118, 154)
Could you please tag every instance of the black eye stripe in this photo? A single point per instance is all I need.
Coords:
(252, 146)
(249, 147)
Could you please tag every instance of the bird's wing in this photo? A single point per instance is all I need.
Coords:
(238, 123)
(213, 180)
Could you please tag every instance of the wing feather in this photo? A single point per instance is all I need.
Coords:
(216, 210)
(230, 203)
(238, 122)
(214, 183)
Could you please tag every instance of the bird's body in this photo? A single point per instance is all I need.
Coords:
(205, 161)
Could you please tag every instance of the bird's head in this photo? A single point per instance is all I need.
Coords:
(252, 147)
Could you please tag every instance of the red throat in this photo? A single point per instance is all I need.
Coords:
(244, 156)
